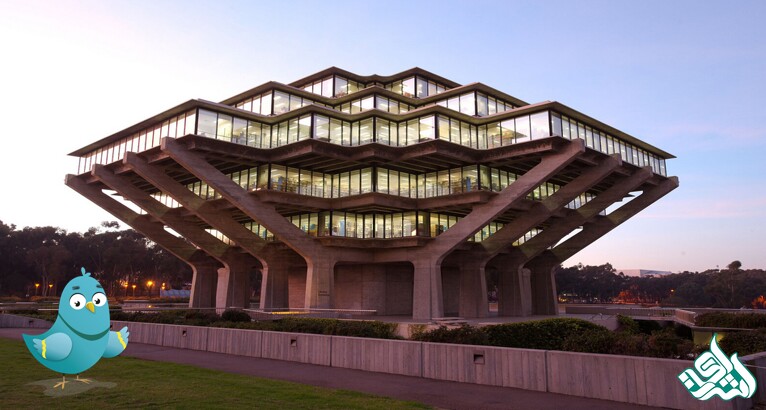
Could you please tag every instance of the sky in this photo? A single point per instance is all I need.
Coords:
(685, 76)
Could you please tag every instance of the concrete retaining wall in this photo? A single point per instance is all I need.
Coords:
(377, 355)
(7, 320)
(234, 341)
(494, 366)
(627, 379)
(185, 337)
(296, 347)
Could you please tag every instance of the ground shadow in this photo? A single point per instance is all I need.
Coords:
(72, 386)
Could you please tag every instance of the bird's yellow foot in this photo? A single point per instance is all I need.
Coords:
(62, 383)
(86, 381)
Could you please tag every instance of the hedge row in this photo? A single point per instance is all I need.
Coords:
(241, 320)
(733, 320)
(568, 334)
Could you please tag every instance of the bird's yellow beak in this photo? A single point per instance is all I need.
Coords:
(91, 307)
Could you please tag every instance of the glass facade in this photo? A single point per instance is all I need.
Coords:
(477, 104)
(416, 87)
(333, 86)
(373, 129)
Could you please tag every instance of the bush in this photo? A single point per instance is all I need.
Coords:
(371, 329)
(666, 343)
(744, 343)
(648, 327)
(591, 341)
(548, 334)
(630, 345)
(628, 325)
(232, 315)
(733, 320)
(467, 335)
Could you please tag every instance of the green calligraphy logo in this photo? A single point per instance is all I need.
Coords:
(714, 374)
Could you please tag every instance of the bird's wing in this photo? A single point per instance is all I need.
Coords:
(118, 341)
(54, 347)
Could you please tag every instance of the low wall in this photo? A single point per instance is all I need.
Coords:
(378, 355)
(628, 379)
(7, 320)
(494, 366)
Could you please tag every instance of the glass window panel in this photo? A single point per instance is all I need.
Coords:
(522, 129)
(508, 130)
(421, 88)
(381, 103)
(368, 103)
(206, 127)
(239, 132)
(321, 128)
(304, 127)
(366, 180)
(408, 87)
(278, 178)
(556, 124)
(336, 131)
(281, 101)
(266, 103)
(382, 185)
(365, 131)
(295, 102)
(327, 87)
(466, 134)
(443, 128)
(427, 128)
(224, 127)
(382, 131)
(282, 132)
(468, 104)
(539, 124)
(482, 103)
(341, 86)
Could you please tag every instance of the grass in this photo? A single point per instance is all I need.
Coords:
(147, 384)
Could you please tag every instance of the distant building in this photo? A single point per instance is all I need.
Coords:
(644, 272)
(399, 194)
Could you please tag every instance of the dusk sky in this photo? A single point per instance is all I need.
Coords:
(685, 76)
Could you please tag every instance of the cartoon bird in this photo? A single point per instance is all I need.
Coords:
(80, 336)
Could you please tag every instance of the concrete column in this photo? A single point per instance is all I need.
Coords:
(473, 290)
(427, 295)
(320, 278)
(203, 289)
(544, 298)
(514, 293)
(274, 283)
(233, 288)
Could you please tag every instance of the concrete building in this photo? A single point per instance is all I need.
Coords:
(644, 272)
(400, 193)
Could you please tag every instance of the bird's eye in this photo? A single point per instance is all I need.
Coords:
(99, 299)
(77, 301)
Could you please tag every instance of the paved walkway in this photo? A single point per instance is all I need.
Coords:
(437, 393)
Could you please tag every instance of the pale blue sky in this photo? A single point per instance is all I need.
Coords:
(686, 76)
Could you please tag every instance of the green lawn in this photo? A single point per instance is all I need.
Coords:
(147, 384)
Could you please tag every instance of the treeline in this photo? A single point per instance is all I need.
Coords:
(732, 287)
(35, 261)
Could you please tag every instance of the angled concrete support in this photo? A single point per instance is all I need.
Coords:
(203, 266)
(482, 214)
(233, 284)
(603, 225)
(543, 210)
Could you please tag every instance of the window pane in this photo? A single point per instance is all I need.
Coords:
(321, 128)
(224, 127)
(207, 122)
(539, 123)
(281, 101)
(522, 129)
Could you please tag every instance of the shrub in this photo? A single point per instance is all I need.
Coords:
(666, 343)
(591, 341)
(744, 343)
(233, 315)
(628, 325)
(630, 345)
(648, 327)
(465, 334)
(372, 329)
(733, 320)
(548, 334)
